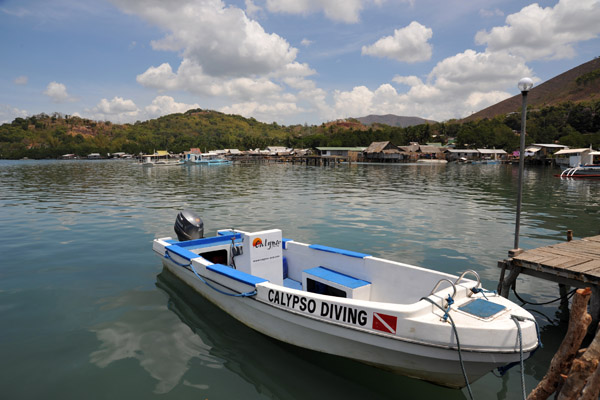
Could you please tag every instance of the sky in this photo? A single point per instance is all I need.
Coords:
(283, 61)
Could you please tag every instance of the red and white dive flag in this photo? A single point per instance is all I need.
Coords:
(384, 323)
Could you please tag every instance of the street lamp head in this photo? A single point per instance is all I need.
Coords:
(525, 84)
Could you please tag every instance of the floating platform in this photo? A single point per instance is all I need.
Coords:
(573, 263)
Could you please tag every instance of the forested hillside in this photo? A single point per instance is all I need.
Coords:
(44, 136)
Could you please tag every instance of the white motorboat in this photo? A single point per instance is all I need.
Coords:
(583, 163)
(206, 159)
(410, 320)
(159, 158)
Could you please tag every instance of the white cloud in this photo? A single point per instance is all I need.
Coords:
(21, 80)
(347, 11)
(305, 42)
(117, 110)
(409, 44)
(408, 80)
(338, 10)
(225, 55)
(252, 10)
(163, 105)
(545, 33)
(58, 93)
(496, 12)
(9, 113)
(222, 40)
(455, 87)
(117, 105)
(262, 111)
(191, 77)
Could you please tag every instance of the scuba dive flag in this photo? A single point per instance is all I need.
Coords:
(384, 323)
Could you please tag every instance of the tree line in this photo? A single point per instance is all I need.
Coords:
(50, 136)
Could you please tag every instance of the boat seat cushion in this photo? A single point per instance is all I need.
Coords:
(336, 277)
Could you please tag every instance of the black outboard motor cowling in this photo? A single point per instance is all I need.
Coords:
(188, 226)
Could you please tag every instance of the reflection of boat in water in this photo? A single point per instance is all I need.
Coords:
(159, 158)
(384, 313)
(431, 161)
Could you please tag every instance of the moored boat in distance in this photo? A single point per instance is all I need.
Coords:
(159, 158)
(583, 163)
(410, 320)
(206, 159)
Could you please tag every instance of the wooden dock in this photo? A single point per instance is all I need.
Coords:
(574, 263)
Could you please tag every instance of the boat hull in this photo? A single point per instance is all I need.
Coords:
(438, 365)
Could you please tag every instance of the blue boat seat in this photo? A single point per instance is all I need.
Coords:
(323, 280)
(336, 277)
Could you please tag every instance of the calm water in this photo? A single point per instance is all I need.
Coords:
(87, 313)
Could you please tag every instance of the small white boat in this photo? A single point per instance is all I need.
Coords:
(583, 163)
(206, 159)
(410, 320)
(159, 158)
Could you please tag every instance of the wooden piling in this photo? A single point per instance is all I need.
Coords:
(578, 325)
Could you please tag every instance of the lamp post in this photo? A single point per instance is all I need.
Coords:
(525, 86)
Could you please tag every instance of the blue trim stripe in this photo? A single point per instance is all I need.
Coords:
(210, 241)
(239, 276)
(284, 240)
(181, 252)
(337, 277)
(338, 251)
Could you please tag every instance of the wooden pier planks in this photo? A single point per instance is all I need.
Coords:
(574, 263)
(575, 258)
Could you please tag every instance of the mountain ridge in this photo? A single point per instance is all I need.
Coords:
(576, 85)
(393, 120)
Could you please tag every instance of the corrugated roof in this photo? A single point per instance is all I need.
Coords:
(341, 148)
(376, 147)
(430, 149)
(471, 151)
(491, 151)
(412, 148)
(570, 151)
(551, 145)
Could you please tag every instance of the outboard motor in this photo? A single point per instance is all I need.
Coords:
(188, 226)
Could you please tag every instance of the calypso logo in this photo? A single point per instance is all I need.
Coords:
(258, 242)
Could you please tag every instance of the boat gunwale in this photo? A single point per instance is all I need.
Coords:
(345, 301)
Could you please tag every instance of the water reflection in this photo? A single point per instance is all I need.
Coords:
(153, 337)
(90, 224)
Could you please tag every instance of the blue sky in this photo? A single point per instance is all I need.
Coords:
(288, 61)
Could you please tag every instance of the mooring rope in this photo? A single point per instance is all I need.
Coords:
(446, 317)
(566, 296)
(503, 370)
(246, 294)
(517, 319)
